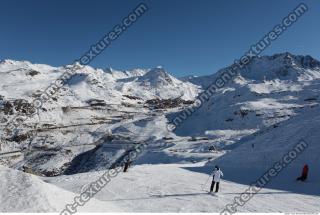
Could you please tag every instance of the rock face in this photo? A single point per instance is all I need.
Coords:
(96, 102)
(167, 103)
(33, 73)
(18, 106)
(47, 162)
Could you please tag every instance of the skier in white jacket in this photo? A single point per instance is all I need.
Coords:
(216, 175)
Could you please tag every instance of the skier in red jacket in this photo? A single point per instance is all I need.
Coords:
(304, 174)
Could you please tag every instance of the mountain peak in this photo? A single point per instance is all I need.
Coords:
(109, 70)
(14, 62)
(158, 76)
(158, 72)
(289, 59)
(283, 66)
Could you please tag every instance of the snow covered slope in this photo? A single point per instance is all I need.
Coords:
(158, 83)
(284, 66)
(245, 127)
(22, 79)
(115, 74)
(255, 154)
(21, 192)
(91, 98)
(269, 90)
(181, 188)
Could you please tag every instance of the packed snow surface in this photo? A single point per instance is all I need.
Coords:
(21, 192)
(180, 188)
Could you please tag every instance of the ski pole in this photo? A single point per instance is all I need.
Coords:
(205, 182)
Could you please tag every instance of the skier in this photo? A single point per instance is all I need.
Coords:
(127, 165)
(216, 175)
(304, 174)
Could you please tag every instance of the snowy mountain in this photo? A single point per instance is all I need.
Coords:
(91, 99)
(125, 74)
(158, 82)
(101, 114)
(23, 78)
(24, 82)
(283, 66)
(259, 151)
(271, 89)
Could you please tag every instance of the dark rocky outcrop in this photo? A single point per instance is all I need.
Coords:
(97, 102)
(132, 97)
(167, 103)
(20, 106)
(33, 73)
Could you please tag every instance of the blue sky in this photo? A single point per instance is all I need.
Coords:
(186, 37)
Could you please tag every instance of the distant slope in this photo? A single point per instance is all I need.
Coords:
(271, 89)
(87, 97)
(24, 80)
(157, 82)
(258, 152)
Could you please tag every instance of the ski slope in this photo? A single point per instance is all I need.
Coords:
(256, 153)
(178, 188)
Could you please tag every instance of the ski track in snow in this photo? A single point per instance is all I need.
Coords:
(172, 188)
